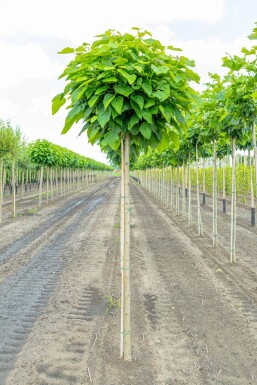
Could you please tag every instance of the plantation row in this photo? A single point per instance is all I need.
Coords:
(41, 169)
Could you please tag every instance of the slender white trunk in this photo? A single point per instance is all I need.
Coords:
(1, 189)
(13, 190)
(127, 331)
(233, 206)
(189, 195)
(183, 192)
(214, 197)
(199, 218)
(252, 191)
(255, 154)
(40, 185)
(122, 241)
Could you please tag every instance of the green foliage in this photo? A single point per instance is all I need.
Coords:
(127, 84)
(44, 153)
(11, 140)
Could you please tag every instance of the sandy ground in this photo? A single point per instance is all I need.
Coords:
(194, 317)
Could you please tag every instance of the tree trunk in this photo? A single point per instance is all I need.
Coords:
(199, 218)
(13, 190)
(40, 186)
(47, 184)
(214, 197)
(255, 155)
(204, 184)
(224, 202)
(233, 206)
(126, 331)
(122, 234)
(183, 192)
(189, 195)
(252, 191)
(1, 189)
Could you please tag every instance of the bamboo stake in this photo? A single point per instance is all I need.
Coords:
(127, 331)
(199, 219)
(224, 202)
(1, 189)
(13, 190)
(183, 191)
(47, 184)
(233, 206)
(189, 195)
(122, 236)
(40, 186)
(214, 197)
(255, 155)
(252, 191)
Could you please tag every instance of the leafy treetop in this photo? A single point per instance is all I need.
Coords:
(127, 84)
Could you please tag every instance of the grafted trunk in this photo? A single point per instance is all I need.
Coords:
(126, 331)
(13, 190)
(199, 218)
(122, 235)
(214, 197)
(1, 189)
(252, 191)
(233, 206)
(189, 195)
(40, 186)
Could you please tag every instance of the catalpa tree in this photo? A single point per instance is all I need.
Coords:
(130, 92)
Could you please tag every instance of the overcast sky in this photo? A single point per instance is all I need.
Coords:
(33, 31)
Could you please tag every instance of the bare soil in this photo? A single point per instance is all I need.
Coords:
(194, 316)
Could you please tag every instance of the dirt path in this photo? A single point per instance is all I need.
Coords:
(193, 318)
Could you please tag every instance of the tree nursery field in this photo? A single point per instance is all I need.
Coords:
(148, 275)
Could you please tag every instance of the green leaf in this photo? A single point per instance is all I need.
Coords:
(159, 70)
(173, 48)
(163, 93)
(130, 78)
(112, 139)
(164, 143)
(117, 104)
(166, 113)
(139, 100)
(254, 95)
(66, 50)
(174, 139)
(101, 90)
(92, 133)
(108, 99)
(136, 108)
(104, 116)
(87, 112)
(147, 87)
(57, 102)
(150, 103)
(74, 115)
(110, 80)
(132, 121)
(147, 116)
(92, 101)
(123, 90)
(145, 130)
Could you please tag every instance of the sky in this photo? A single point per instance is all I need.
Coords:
(33, 31)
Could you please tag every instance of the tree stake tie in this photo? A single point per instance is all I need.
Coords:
(124, 268)
(129, 209)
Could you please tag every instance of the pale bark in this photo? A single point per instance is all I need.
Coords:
(233, 206)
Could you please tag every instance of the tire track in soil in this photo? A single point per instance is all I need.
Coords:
(14, 254)
(25, 294)
(241, 279)
(195, 330)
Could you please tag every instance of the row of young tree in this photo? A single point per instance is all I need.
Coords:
(27, 168)
(132, 94)
(223, 121)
